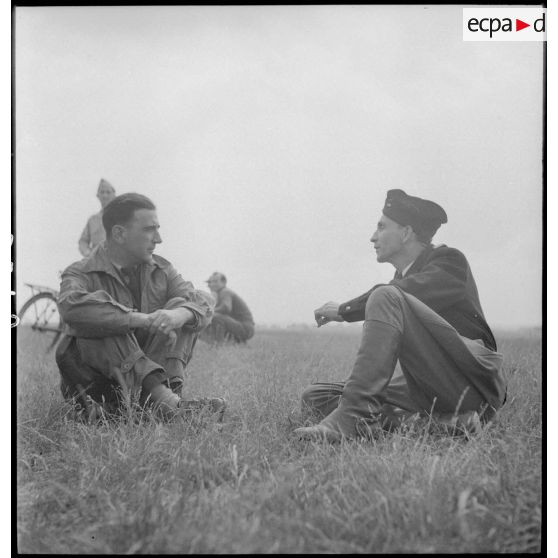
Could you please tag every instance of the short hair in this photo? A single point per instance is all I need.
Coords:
(120, 211)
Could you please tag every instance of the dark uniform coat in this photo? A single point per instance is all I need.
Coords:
(442, 279)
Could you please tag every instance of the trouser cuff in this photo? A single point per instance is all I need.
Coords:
(141, 365)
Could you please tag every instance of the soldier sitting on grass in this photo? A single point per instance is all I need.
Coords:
(428, 319)
(132, 320)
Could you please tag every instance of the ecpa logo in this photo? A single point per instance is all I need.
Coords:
(504, 24)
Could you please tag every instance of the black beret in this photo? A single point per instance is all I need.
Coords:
(423, 215)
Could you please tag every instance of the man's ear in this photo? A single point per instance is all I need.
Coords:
(118, 233)
(408, 233)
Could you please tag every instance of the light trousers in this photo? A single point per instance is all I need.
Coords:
(438, 369)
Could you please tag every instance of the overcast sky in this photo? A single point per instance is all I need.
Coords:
(268, 137)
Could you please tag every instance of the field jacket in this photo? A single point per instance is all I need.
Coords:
(442, 279)
(95, 302)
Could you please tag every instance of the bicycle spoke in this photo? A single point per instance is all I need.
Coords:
(40, 323)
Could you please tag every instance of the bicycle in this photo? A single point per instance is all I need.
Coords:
(39, 319)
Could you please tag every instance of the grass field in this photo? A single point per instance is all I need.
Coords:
(248, 486)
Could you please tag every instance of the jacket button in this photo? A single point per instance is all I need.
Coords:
(347, 307)
(126, 367)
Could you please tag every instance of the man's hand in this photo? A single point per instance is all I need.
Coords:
(162, 322)
(329, 312)
(165, 321)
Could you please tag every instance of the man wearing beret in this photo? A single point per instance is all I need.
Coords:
(425, 348)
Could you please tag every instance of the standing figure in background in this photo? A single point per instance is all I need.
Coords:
(94, 232)
(232, 320)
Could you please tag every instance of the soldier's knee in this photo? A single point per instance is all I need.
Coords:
(385, 294)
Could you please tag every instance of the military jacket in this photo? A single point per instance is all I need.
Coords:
(94, 300)
(228, 302)
(442, 279)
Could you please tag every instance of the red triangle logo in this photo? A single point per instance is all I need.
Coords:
(519, 25)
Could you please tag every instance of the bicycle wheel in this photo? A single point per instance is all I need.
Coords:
(40, 325)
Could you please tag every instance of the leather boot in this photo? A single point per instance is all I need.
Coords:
(169, 406)
(360, 401)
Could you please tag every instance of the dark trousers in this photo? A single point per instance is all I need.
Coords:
(321, 398)
(111, 368)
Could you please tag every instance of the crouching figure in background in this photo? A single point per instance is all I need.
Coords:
(132, 321)
(425, 349)
(232, 320)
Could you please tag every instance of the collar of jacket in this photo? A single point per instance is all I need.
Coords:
(422, 257)
(99, 261)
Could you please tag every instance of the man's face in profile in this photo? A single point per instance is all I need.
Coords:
(141, 236)
(387, 239)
